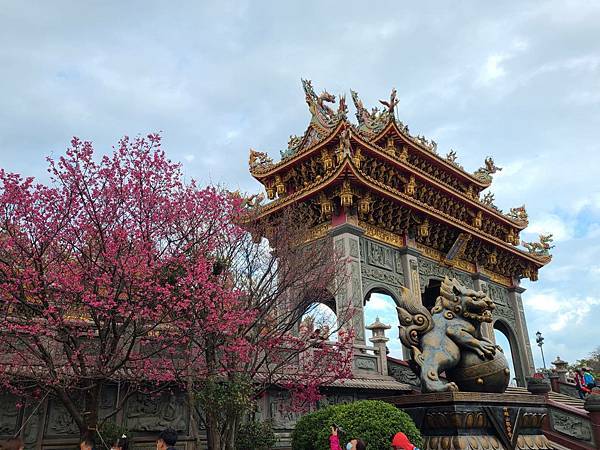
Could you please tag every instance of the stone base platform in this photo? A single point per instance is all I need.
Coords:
(478, 421)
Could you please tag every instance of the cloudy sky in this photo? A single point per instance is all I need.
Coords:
(517, 80)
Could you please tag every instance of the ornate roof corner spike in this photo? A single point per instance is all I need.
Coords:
(293, 146)
(541, 248)
(485, 173)
(488, 200)
(519, 214)
(342, 112)
(452, 158)
(430, 145)
(259, 161)
(391, 105)
(253, 201)
(323, 117)
(372, 122)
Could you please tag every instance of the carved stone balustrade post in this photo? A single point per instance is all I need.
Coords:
(379, 341)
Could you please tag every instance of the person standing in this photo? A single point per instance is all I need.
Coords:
(580, 383)
(121, 444)
(166, 439)
(401, 442)
(353, 444)
(588, 378)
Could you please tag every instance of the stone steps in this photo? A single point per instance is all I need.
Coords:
(555, 396)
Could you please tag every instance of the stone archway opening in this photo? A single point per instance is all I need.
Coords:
(382, 304)
(506, 339)
(320, 319)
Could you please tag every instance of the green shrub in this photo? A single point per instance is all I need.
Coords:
(373, 421)
(255, 436)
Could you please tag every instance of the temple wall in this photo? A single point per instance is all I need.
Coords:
(49, 426)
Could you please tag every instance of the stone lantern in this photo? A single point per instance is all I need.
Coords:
(379, 341)
(561, 369)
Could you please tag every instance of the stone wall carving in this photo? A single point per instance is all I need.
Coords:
(9, 415)
(429, 269)
(59, 421)
(497, 293)
(380, 255)
(353, 243)
(365, 363)
(403, 374)
(148, 413)
(382, 276)
(571, 425)
(506, 313)
(282, 417)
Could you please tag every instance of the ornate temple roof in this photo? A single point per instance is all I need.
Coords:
(380, 164)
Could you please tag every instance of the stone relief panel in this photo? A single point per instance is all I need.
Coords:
(403, 374)
(335, 399)
(382, 276)
(34, 411)
(365, 363)
(497, 293)
(358, 324)
(356, 292)
(571, 425)
(379, 255)
(149, 413)
(59, 422)
(353, 246)
(430, 269)
(9, 415)
(338, 247)
(282, 417)
(505, 312)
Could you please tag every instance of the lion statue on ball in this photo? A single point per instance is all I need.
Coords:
(448, 339)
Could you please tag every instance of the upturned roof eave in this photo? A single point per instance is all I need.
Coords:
(284, 163)
(348, 167)
(456, 170)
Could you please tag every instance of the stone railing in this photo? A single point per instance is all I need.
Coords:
(570, 427)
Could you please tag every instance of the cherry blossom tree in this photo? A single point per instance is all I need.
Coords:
(93, 271)
(118, 271)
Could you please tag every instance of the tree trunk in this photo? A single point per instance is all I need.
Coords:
(91, 402)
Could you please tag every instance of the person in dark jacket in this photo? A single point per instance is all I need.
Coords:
(166, 439)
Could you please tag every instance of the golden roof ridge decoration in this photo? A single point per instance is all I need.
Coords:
(324, 120)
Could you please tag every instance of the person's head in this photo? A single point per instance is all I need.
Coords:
(13, 444)
(87, 443)
(121, 444)
(166, 438)
(401, 442)
(355, 444)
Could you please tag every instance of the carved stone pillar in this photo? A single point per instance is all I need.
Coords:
(524, 347)
(349, 291)
(410, 268)
(480, 283)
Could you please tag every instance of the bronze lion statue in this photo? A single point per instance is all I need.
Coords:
(448, 339)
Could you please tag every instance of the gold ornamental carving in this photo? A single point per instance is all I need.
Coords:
(346, 194)
(380, 235)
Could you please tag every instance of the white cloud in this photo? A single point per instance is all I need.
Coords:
(492, 69)
(189, 157)
(551, 223)
(560, 309)
(380, 302)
